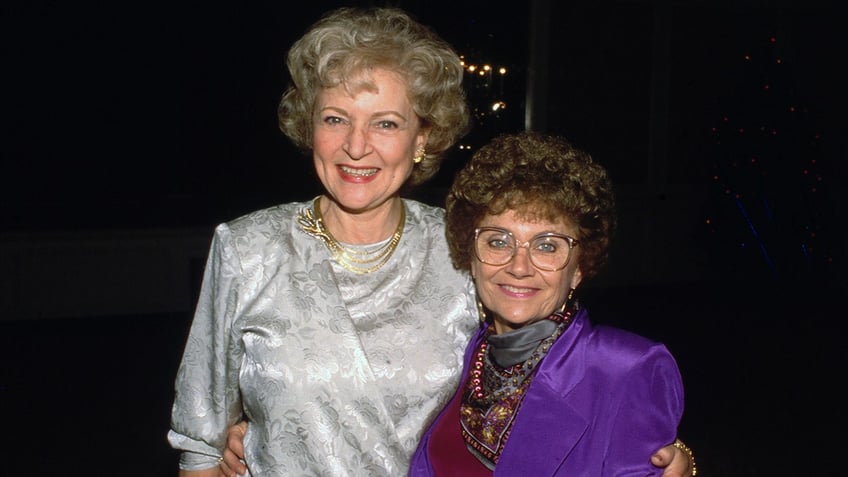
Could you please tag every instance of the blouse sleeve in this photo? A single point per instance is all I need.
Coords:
(647, 419)
(207, 398)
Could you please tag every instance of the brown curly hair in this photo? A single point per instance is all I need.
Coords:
(542, 177)
(347, 42)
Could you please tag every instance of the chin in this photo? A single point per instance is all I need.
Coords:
(516, 324)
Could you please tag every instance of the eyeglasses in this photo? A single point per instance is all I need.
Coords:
(549, 251)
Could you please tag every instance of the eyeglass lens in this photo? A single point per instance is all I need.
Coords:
(498, 247)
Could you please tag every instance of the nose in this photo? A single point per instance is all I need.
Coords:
(520, 264)
(357, 144)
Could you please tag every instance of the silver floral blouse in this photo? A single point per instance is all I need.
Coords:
(338, 373)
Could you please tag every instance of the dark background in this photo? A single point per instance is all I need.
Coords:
(128, 123)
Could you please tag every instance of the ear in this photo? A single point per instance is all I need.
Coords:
(472, 270)
(423, 137)
(577, 278)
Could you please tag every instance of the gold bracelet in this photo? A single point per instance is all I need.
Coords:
(680, 445)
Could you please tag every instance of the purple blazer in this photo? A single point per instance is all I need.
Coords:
(602, 402)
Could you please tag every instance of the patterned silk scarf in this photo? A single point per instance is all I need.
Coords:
(501, 371)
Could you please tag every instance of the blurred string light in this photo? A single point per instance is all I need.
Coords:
(766, 164)
(485, 89)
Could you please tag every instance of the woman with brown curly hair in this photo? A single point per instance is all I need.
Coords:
(545, 392)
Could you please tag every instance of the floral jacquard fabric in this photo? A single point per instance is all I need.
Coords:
(337, 373)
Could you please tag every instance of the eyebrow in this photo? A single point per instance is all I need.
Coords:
(549, 232)
(389, 113)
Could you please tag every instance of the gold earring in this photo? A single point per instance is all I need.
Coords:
(481, 311)
(567, 300)
(419, 155)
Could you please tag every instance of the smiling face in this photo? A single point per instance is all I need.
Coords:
(365, 140)
(518, 293)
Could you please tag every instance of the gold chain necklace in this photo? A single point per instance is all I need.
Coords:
(353, 260)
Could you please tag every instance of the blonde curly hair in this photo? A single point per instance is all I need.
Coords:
(347, 42)
(540, 177)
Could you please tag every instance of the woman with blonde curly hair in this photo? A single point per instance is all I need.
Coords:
(335, 326)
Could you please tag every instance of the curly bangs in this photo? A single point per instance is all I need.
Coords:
(541, 177)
